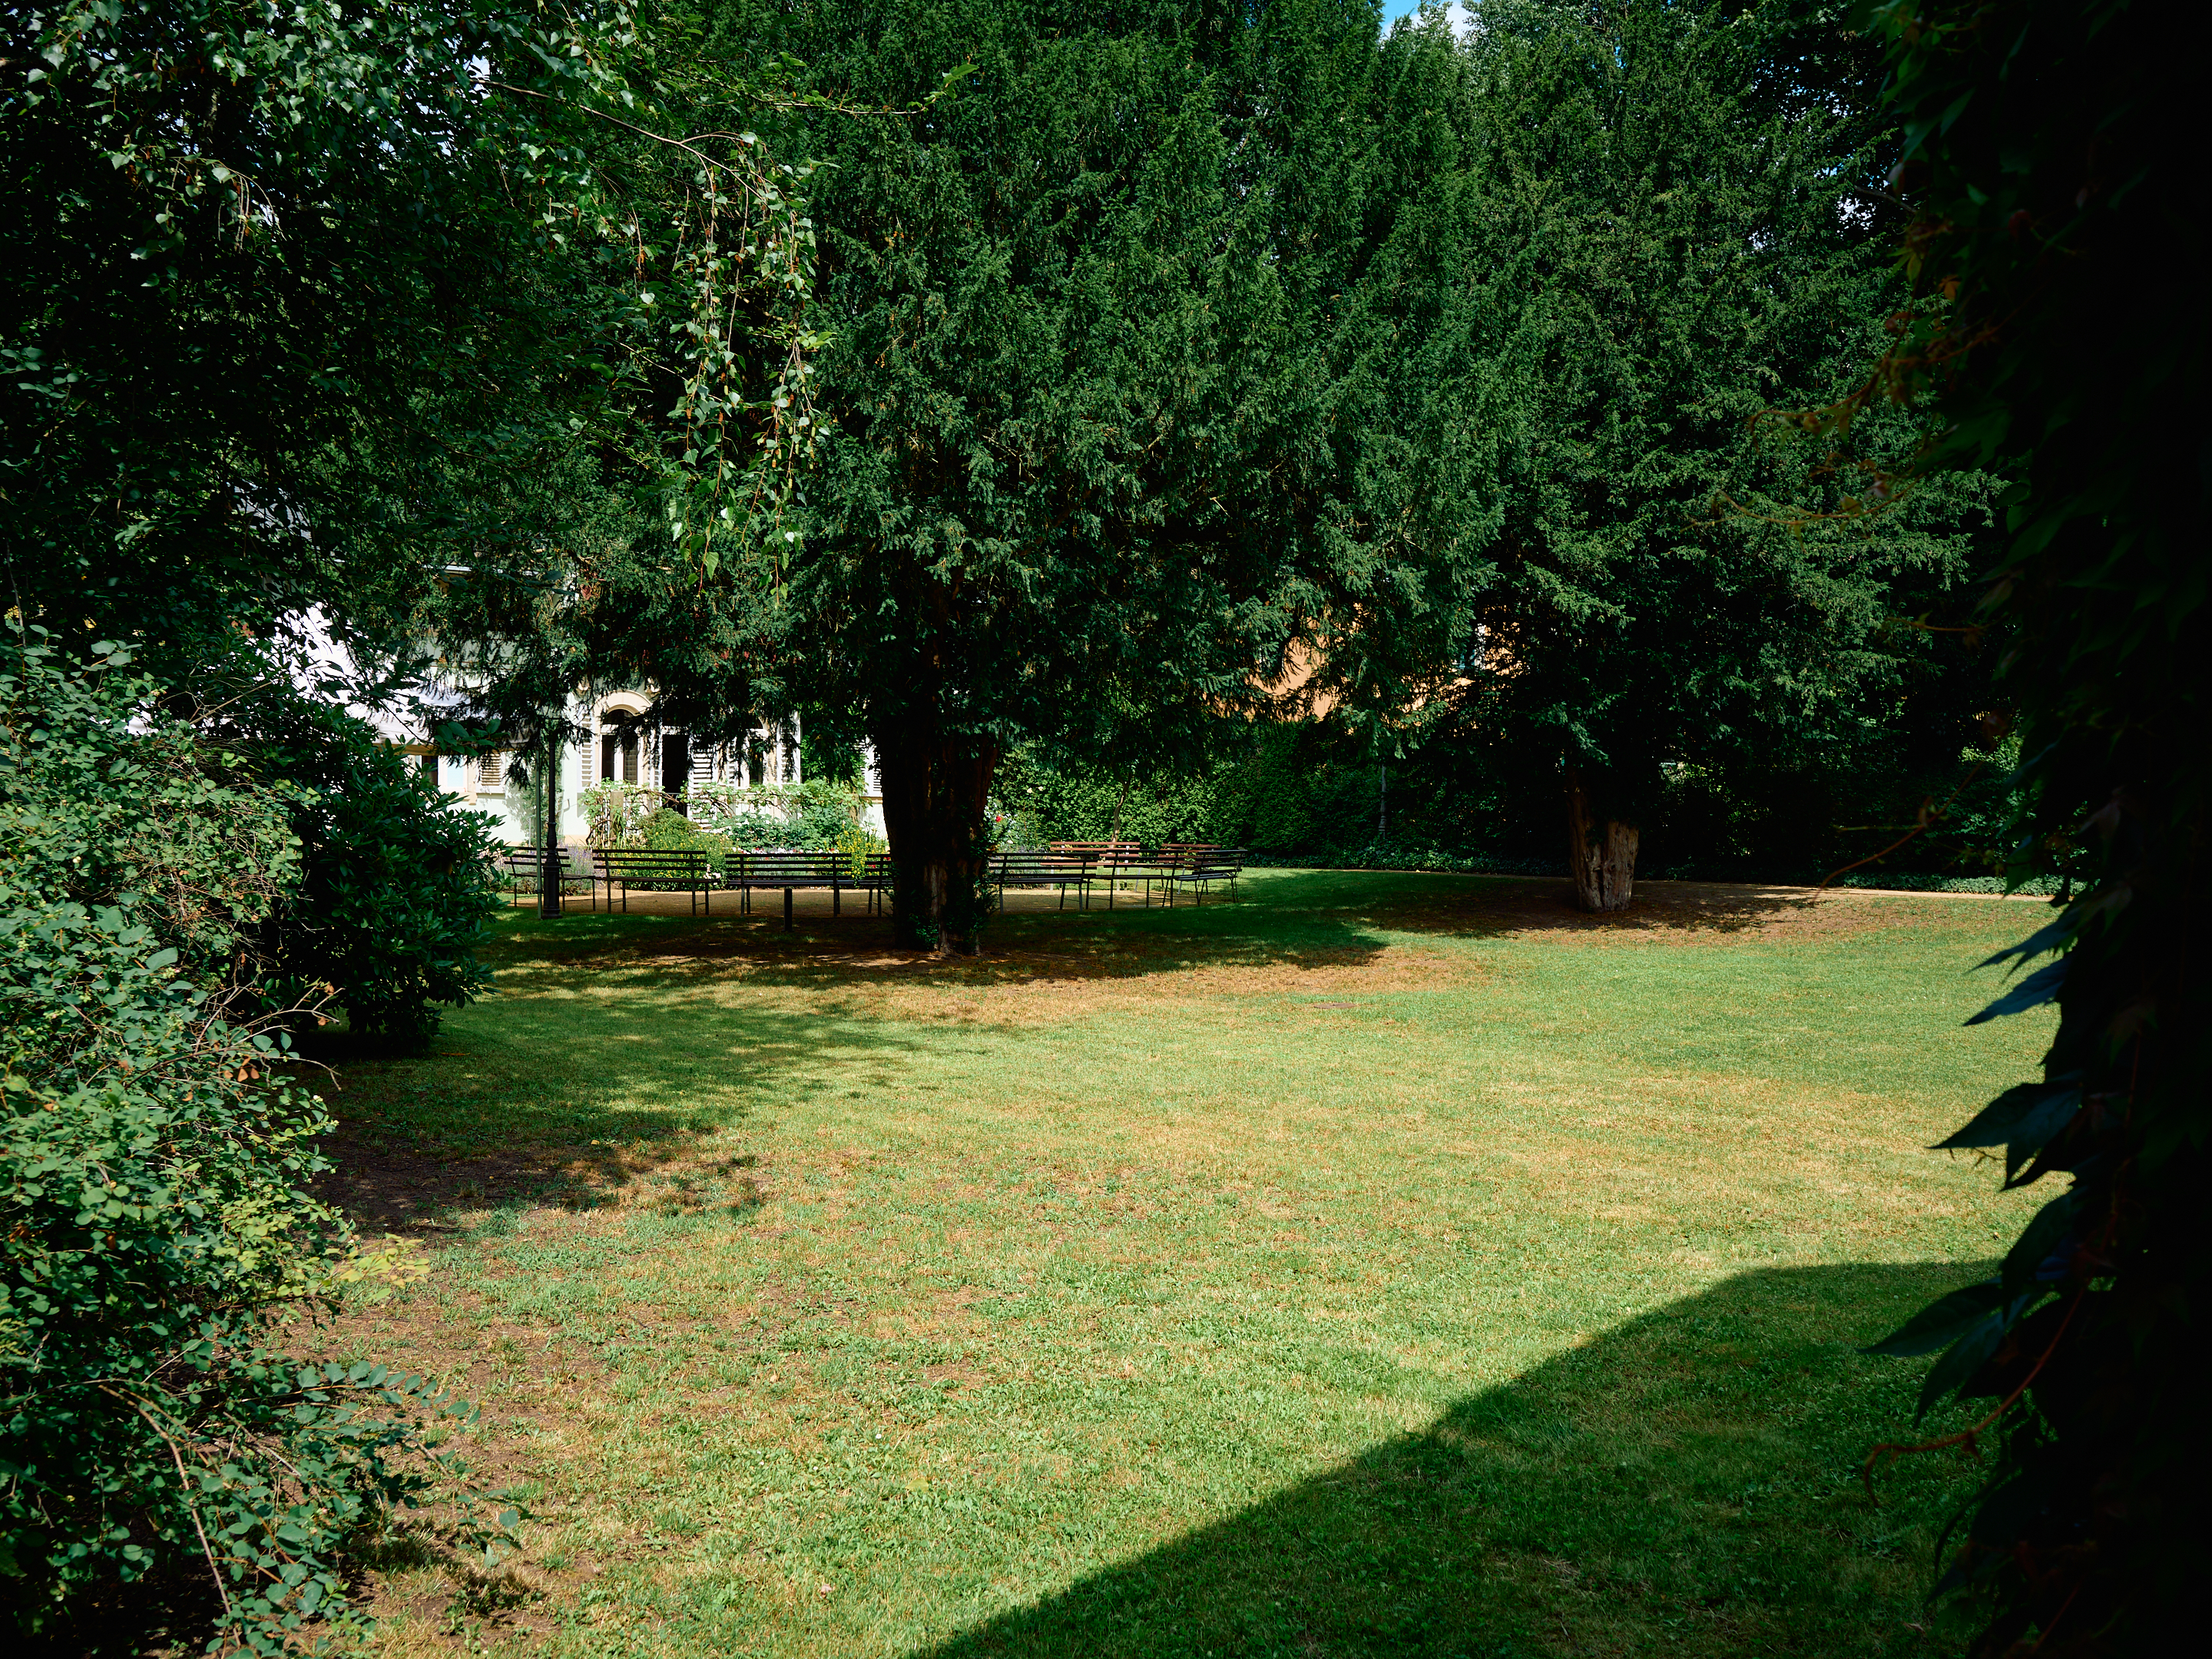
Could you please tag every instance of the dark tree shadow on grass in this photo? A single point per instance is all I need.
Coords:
(562, 1104)
(568, 1090)
(1293, 921)
(1686, 1483)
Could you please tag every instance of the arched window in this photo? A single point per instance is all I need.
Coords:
(619, 743)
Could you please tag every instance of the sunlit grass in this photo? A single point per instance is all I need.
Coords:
(1376, 1265)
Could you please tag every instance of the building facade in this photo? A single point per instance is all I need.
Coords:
(623, 749)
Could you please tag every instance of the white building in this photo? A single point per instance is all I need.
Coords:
(622, 752)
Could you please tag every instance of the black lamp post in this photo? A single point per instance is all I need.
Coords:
(549, 870)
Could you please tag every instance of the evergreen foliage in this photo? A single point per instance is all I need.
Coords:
(1621, 239)
(1071, 403)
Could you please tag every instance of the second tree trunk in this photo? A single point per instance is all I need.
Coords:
(1601, 852)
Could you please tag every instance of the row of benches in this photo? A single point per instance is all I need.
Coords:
(1080, 865)
(618, 870)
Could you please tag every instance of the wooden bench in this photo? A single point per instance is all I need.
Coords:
(524, 870)
(656, 872)
(1183, 854)
(877, 879)
(790, 871)
(1117, 861)
(1200, 867)
(1131, 864)
(1060, 870)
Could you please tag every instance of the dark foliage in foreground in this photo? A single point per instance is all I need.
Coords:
(2061, 209)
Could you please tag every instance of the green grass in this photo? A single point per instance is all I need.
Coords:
(1378, 1265)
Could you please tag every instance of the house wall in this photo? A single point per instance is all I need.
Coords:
(483, 785)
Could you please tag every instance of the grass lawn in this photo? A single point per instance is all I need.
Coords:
(1378, 1264)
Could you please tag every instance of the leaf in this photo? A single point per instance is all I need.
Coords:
(1942, 1321)
(2060, 934)
(2038, 987)
(1997, 1122)
(2039, 1241)
(1966, 1356)
(2036, 1131)
(2056, 936)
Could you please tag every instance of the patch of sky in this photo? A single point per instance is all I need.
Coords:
(1460, 15)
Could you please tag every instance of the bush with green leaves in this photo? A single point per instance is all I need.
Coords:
(397, 891)
(616, 812)
(810, 817)
(669, 831)
(2056, 335)
(157, 1174)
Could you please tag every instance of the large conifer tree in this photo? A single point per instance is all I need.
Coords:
(1621, 238)
(1076, 407)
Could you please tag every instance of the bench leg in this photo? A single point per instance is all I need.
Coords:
(836, 900)
(786, 910)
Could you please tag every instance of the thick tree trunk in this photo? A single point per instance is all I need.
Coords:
(1601, 852)
(935, 789)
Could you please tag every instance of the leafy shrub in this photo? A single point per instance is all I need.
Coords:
(617, 811)
(669, 831)
(397, 891)
(155, 1186)
(804, 817)
(859, 844)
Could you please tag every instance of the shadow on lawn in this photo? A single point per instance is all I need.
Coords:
(1688, 1480)
(567, 1099)
(1289, 919)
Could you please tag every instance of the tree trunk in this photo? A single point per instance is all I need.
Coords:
(935, 790)
(1601, 852)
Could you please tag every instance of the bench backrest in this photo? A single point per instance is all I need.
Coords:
(531, 861)
(795, 869)
(1129, 856)
(652, 863)
(1201, 855)
(1039, 866)
(1095, 848)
